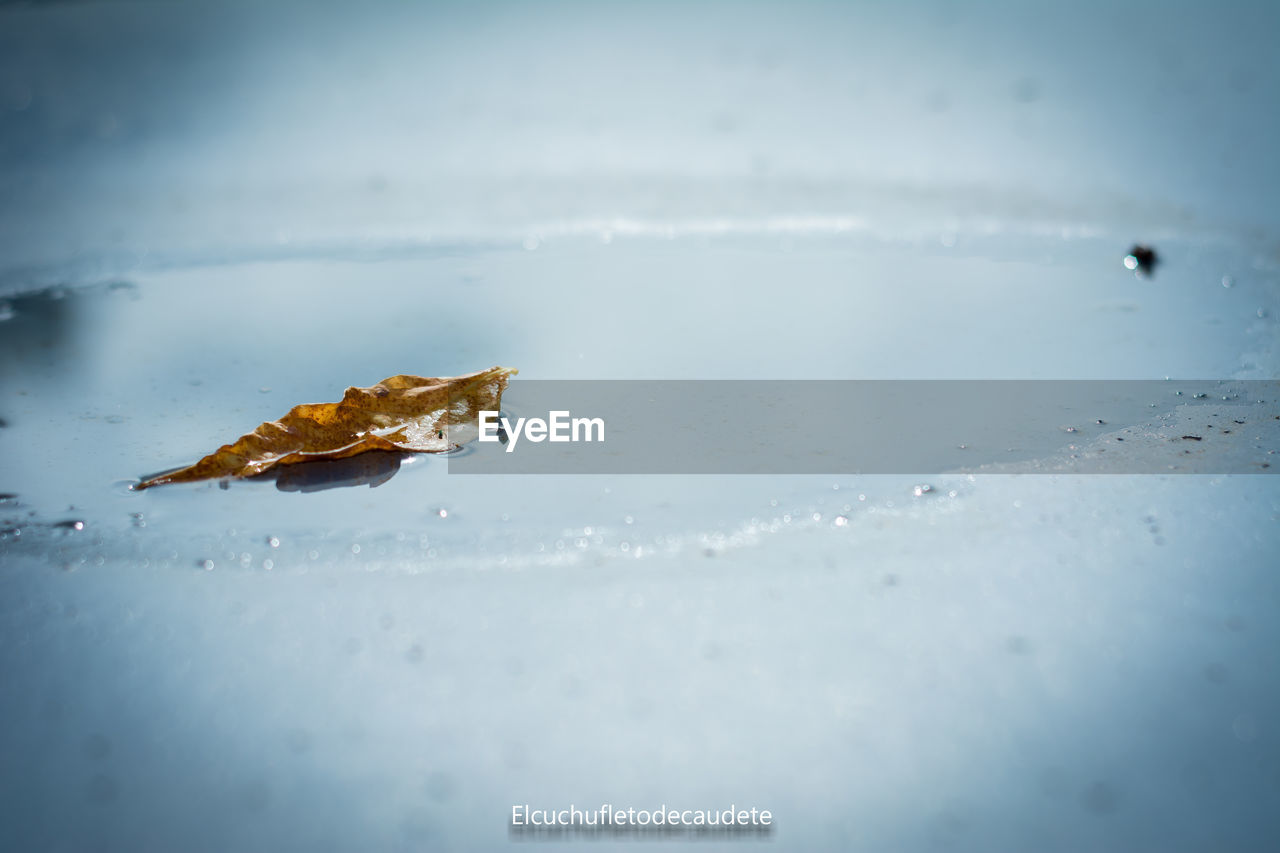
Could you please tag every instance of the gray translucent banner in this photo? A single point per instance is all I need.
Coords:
(878, 427)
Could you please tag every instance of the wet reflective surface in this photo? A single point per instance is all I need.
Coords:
(216, 213)
(435, 645)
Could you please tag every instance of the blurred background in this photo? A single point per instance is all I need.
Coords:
(134, 130)
(210, 212)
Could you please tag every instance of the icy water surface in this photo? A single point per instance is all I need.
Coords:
(130, 376)
(989, 662)
(212, 211)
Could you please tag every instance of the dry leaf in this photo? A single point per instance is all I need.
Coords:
(401, 413)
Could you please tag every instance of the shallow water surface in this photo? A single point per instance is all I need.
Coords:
(1053, 661)
(211, 212)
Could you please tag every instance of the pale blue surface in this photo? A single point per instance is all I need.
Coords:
(297, 199)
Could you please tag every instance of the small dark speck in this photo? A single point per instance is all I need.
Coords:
(1142, 259)
(415, 654)
(1100, 422)
(1192, 438)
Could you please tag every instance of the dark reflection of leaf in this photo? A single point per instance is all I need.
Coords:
(372, 469)
(401, 413)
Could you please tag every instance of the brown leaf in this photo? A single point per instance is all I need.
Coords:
(400, 413)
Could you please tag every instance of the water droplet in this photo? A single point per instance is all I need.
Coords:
(531, 243)
(125, 487)
(273, 542)
(1142, 260)
(6, 311)
(268, 565)
(442, 512)
(841, 521)
(355, 549)
(264, 390)
(1228, 281)
(922, 490)
(207, 565)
